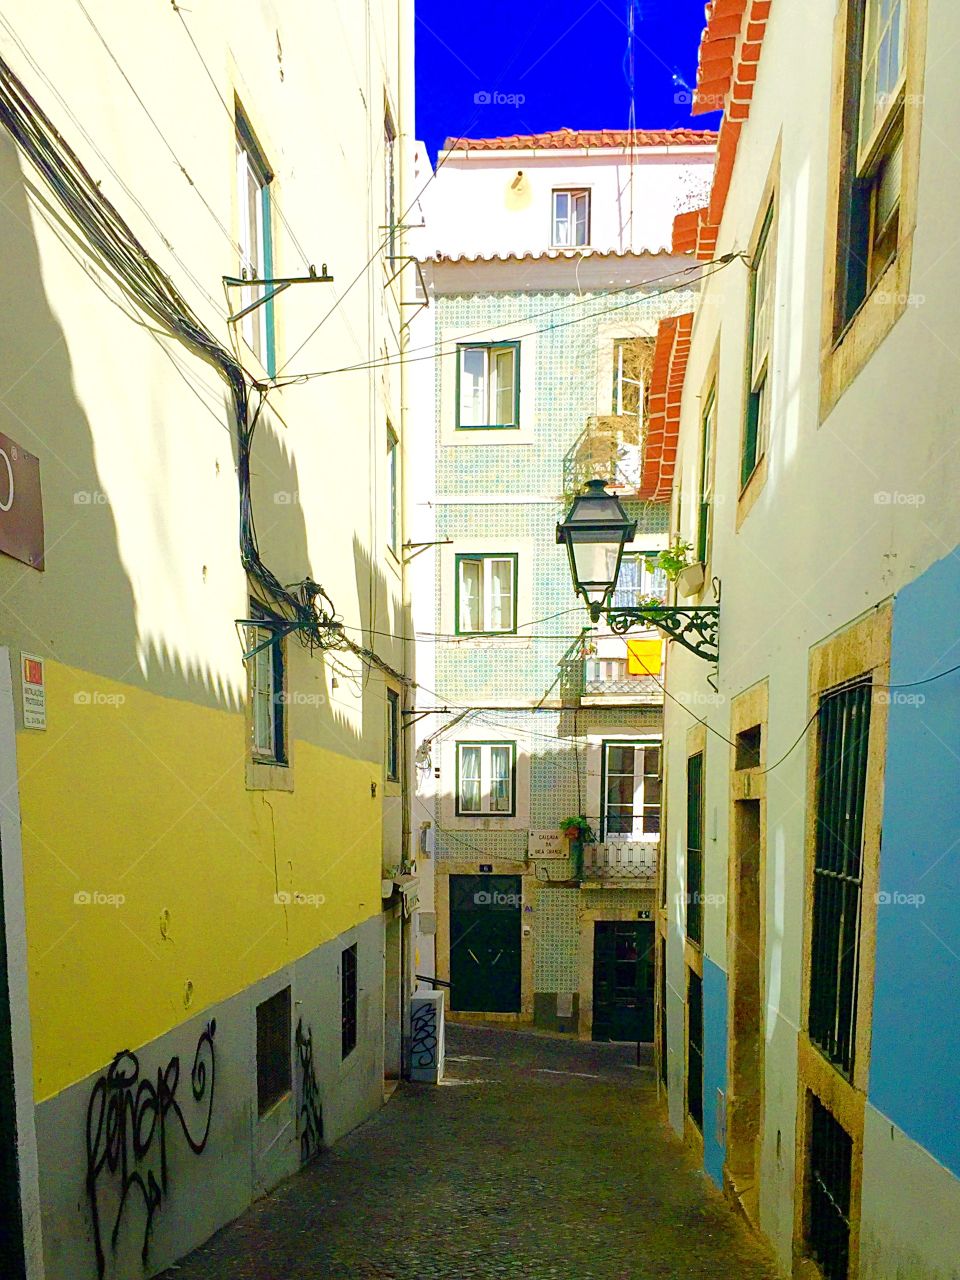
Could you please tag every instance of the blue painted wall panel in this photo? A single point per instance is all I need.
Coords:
(714, 1064)
(915, 1056)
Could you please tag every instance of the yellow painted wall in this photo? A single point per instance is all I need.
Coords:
(145, 799)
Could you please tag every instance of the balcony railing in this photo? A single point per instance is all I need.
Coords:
(607, 449)
(621, 860)
(611, 676)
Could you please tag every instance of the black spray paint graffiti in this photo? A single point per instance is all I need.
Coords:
(423, 1036)
(311, 1114)
(127, 1116)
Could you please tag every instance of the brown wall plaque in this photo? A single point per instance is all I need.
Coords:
(21, 505)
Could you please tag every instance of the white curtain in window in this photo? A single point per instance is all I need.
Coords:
(501, 594)
(473, 380)
(470, 794)
(561, 218)
(505, 397)
(471, 592)
(500, 779)
(580, 218)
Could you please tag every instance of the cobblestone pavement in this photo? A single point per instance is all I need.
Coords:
(539, 1158)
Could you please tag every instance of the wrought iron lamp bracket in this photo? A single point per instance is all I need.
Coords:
(695, 627)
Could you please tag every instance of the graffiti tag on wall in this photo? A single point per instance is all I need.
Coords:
(423, 1036)
(127, 1132)
(311, 1114)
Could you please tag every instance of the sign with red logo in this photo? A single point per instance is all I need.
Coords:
(34, 692)
(21, 504)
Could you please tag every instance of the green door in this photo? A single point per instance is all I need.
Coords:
(485, 916)
(11, 1223)
(623, 980)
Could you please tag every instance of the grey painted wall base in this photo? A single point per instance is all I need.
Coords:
(545, 1013)
(245, 1154)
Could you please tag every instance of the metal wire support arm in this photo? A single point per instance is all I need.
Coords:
(694, 627)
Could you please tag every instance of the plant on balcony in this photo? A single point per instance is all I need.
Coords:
(673, 559)
(578, 829)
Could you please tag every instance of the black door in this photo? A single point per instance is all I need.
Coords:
(623, 980)
(485, 943)
(11, 1222)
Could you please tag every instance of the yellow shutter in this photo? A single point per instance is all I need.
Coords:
(644, 657)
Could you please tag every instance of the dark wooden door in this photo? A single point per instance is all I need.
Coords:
(485, 916)
(623, 980)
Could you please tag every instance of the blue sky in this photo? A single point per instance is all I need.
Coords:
(524, 66)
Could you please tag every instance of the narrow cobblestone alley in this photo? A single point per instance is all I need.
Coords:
(537, 1158)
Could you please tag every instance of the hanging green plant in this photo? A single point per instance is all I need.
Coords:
(578, 829)
(674, 559)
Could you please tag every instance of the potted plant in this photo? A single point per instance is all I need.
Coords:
(577, 829)
(678, 564)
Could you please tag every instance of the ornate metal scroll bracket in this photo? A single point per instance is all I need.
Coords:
(694, 627)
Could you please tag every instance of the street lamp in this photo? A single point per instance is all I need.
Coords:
(595, 532)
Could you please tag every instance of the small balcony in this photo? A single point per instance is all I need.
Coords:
(622, 862)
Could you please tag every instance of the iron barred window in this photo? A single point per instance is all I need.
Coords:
(830, 1159)
(695, 848)
(348, 1000)
(843, 731)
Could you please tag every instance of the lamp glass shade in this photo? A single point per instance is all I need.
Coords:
(595, 531)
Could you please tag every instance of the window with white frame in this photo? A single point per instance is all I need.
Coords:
(393, 736)
(638, 579)
(486, 779)
(256, 242)
(632, 361)
(486, 594)
(488, 385)
(571, 218)
(390, 184)
(266, 681)
(631, 790)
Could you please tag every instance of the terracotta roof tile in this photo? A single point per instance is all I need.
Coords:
(666, 383)
(581, 139)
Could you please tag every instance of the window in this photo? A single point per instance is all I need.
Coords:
(486, 594)
(830, 1169)
(708, 436)
(390, 184)
(392, 762)
(757, 427)
(256, 243)
(348, 1000)
(695, 1048)
(843, 731)
(273, 1050)
(486, 779)
(695, 848)
(632, 361)
(488, 385)
(871, 168)
(393, 492)
(571, 219)
(631, 791)
(638, 579)
(266, 667)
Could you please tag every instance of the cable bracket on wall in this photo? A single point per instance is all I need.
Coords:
(275, 285)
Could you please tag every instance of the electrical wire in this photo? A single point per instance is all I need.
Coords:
(434, 354)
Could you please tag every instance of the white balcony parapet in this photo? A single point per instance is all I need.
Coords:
(621, 860)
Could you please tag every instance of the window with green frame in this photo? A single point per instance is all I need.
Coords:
(486, 779)
(486, 593)
(488, 385)
(756, 429)
(256, 243)
(393, 492)
(708, 437)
